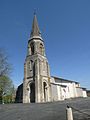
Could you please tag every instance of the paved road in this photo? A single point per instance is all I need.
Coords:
(45, 111)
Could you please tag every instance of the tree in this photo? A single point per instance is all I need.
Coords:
(5, 67)
(9, 97)
(6, 85)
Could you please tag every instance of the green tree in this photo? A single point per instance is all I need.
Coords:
(10, 97)
(6, 86)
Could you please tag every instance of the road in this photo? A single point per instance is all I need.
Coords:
(45, 111)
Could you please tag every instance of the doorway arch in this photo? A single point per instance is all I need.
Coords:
(32, 92)
(45, 91)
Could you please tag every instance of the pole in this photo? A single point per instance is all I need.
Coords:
(69, 114)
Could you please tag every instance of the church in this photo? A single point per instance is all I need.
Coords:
(38, 85)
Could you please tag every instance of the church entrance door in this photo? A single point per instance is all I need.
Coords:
(32, 92)
(45, 91)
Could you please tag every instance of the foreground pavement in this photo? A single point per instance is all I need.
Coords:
(46, 111)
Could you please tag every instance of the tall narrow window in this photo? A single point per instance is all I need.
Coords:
(34, 71)
(41, 49)
(32, 48)
(45, 90)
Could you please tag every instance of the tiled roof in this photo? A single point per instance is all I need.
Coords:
(57, 79)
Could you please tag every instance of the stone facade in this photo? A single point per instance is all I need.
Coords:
(38, 85)
(66, 89)
(19, 94)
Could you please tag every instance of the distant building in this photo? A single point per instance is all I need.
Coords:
(38, 85)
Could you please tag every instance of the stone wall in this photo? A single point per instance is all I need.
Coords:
(19, 94)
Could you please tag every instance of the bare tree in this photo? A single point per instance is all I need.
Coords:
(5, 67)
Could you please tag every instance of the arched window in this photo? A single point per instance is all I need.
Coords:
(32, 48)
(41, 49)
(34, 71)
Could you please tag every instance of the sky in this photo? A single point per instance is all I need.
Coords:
(65, 29)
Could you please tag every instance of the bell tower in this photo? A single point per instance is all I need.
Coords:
(36, 83)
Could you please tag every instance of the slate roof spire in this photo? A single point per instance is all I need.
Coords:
(35, 28)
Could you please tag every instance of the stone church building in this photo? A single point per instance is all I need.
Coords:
(38, 85)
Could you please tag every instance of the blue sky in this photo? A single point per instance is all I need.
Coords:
(65, 28)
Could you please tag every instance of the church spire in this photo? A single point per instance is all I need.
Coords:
(35, 28)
